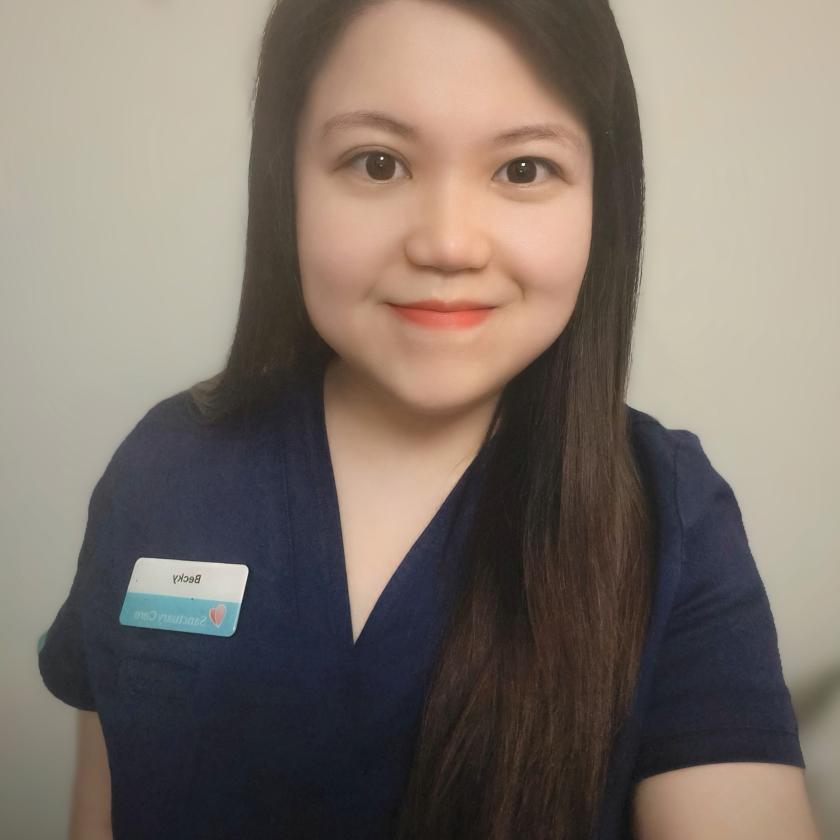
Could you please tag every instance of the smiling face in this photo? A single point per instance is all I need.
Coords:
(425, 202)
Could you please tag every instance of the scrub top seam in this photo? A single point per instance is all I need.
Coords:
(693, 733)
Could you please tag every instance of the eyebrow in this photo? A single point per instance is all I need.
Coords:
(378, 119)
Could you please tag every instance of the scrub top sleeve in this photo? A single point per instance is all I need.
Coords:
(61, 654)
(718, 692)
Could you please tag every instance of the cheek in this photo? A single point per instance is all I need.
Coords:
(551, 254)
(337, 254)
(337, 243)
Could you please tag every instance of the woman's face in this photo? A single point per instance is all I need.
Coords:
(440, 210)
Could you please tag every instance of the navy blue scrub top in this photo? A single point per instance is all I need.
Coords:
(289, 729)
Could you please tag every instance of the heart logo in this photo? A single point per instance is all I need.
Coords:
(217, 614)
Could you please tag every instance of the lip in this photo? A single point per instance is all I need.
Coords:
(438, 319)
(443, 306)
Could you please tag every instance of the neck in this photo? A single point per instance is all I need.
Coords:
(378, 426)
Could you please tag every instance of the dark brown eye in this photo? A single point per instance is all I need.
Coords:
(379, 165)
(521, 170)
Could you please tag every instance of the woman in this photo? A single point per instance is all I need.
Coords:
(482, 597)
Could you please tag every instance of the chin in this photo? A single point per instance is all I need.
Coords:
(439, 398)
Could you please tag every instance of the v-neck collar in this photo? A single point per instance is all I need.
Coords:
(419, 560)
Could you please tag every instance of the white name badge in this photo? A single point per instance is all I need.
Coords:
(184, 595)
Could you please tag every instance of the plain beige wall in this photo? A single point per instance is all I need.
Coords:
(123, 164)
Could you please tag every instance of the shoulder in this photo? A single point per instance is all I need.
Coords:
(703, 558)
(655, 441)
(689, 490)
(172, 451)
(169, 434)
(673, 463)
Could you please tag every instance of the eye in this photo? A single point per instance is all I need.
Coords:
(523, 167)
(380, 166)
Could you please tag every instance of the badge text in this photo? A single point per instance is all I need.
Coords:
(182, 578)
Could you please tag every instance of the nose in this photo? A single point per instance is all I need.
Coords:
(445, 233)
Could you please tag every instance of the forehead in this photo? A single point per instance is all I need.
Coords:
(447, 73)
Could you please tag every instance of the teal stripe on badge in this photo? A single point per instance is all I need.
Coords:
(183, 615)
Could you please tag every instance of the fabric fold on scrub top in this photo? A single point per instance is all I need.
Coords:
(289, 729)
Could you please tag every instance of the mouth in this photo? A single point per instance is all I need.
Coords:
(444, 306)
(451, 318)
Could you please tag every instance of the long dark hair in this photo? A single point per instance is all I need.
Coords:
(537, 668)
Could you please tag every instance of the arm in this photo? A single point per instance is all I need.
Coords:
(719, 756)
(90, 817)
(727, 801)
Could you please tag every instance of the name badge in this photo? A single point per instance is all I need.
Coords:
(184, 595)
